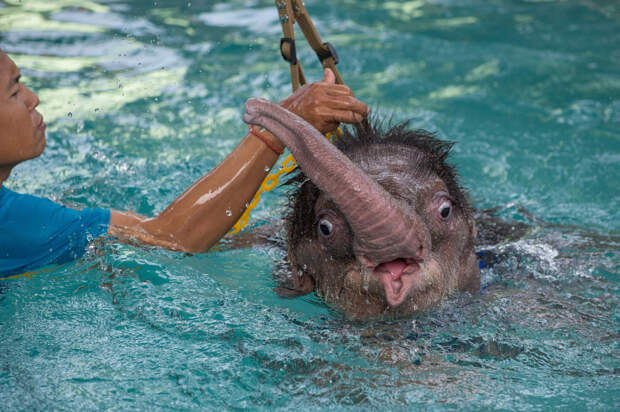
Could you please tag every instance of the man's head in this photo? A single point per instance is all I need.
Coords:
(22, 130)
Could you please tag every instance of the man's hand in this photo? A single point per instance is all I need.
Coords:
(202, 214)
(325, 104)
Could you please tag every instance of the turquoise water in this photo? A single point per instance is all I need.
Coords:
(142, 97)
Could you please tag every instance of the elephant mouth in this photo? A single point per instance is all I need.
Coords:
(398, 278)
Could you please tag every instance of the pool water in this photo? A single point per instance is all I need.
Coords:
(143, 97)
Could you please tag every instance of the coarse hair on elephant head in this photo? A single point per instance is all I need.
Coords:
(413, 154)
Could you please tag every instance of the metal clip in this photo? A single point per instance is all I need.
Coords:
(331, 52)
(292, 53)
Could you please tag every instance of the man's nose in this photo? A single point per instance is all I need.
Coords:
(32, 100)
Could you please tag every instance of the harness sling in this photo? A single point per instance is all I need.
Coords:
(294, 11)
(289, 12)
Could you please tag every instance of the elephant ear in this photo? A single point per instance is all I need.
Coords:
(291, 282)
(263, 236)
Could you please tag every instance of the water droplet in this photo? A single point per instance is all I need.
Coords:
(365, 277)
(69, 114)
(228, 213)
(266, 168)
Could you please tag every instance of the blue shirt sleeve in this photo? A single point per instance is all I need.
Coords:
(36, 232)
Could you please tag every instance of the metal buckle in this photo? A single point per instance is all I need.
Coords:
(331, 52)
(293, 53)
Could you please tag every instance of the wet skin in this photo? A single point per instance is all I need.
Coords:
(381, 229)
(204, 212)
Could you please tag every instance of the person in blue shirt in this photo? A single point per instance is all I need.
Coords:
(35, 232)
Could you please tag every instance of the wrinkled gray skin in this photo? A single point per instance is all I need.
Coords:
(384, 235)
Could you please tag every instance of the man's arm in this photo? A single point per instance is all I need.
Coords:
(207, 210)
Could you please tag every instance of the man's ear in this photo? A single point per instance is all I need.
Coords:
(260, 236)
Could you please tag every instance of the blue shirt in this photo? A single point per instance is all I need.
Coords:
(36, 232)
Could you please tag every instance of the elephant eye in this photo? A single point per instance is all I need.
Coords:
(445, 209)
(326, 227)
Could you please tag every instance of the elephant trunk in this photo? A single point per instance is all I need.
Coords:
(384, 228)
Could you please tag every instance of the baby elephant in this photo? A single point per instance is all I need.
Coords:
(378, 224)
